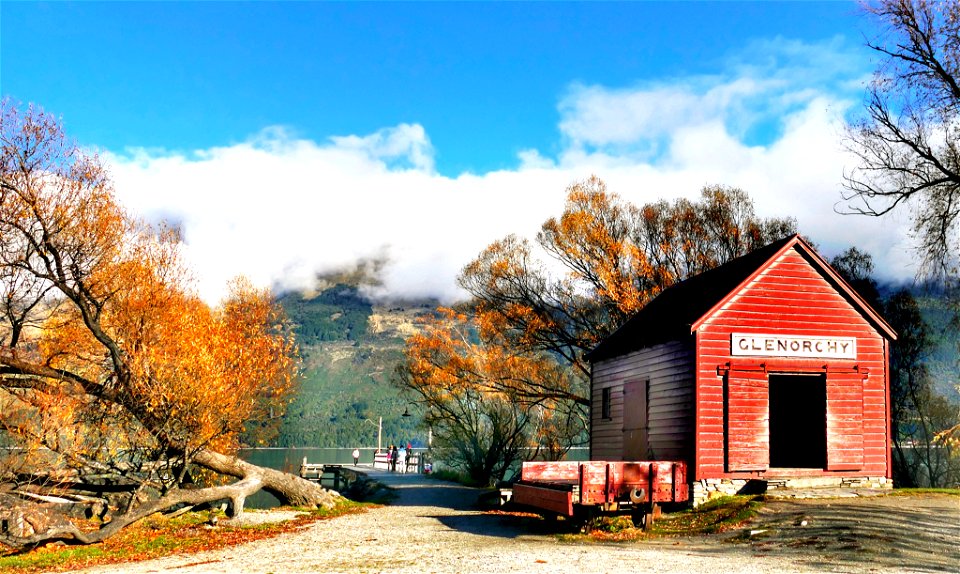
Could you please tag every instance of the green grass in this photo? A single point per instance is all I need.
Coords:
(918, 491)
(712, 517)
(40, 559)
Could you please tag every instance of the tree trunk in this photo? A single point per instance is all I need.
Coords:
(289, 489)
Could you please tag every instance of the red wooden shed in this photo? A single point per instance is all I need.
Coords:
(768, 368)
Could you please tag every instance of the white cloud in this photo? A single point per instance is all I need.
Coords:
(404, 142)
(279, 209)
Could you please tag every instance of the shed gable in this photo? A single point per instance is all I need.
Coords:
(681, 309)
(789, 296)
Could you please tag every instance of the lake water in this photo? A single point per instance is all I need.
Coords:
(289, 459)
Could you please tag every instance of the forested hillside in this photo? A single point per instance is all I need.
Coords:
(943, 360)
(350, 347)
(338, 313)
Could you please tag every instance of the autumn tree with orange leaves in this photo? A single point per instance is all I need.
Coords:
(110, 365)
(534, 319)
(488, 406)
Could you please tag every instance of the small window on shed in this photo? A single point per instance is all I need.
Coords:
(605, 403)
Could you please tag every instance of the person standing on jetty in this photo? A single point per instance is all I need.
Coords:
(356, 456)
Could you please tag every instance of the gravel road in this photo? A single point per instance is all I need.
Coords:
(433, 527)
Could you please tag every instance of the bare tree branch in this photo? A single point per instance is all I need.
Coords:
(907, 140)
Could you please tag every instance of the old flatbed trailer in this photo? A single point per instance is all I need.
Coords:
(583, 490)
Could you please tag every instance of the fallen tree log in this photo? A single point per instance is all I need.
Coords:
(26, 524)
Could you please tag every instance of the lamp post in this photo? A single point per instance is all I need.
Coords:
(379, 431)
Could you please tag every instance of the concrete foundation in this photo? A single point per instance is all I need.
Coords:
(802, 487)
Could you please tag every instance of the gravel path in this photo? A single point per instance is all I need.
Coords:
(432, 527)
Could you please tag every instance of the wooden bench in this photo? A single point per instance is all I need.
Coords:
(381, 460)
(311, 471)
(413, 463)
(334, 473)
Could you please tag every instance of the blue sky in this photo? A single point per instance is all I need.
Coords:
(219, 115)
(483, 79)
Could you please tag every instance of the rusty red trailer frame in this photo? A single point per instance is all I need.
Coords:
(581, 489)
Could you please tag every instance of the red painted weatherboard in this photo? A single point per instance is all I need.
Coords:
(747, 426)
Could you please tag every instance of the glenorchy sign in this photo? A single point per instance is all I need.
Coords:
(751, 345)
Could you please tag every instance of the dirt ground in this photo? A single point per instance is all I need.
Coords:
(917, 532)
(436, 527)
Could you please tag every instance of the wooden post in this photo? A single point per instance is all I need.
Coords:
(654, 509)
(580, 483)
(673, 481)
(607, 499)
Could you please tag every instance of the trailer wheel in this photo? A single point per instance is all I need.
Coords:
(584, 519)
(643, 515)
(639, 517)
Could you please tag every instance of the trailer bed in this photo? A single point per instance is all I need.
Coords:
(571, 488)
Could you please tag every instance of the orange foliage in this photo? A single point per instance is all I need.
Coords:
(114, 349)
(592, 238)
(448, 357)
(449, 367)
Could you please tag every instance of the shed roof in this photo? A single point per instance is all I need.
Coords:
(679, 310)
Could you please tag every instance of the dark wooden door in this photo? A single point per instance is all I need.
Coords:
(636, 429)
(798, 421)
